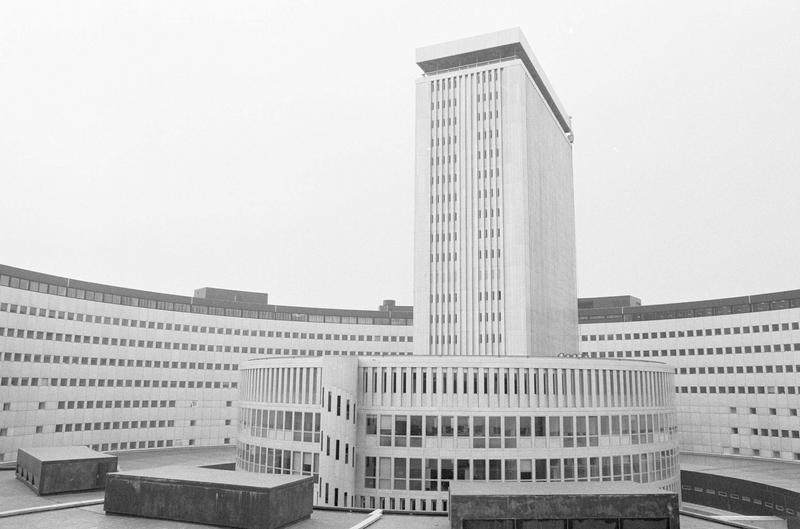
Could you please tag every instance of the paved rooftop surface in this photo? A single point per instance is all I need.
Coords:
(783, 474)
(615, 488)
(197, 474)
(15, 495)
(63, 453)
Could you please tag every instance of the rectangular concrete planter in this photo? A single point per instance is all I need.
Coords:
(211, 496)
(50, 470)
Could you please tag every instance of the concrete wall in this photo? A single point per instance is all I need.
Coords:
(494, 219)
(741, 496)
(479, 506)
(740, 395)
(539, 223)
(52, 477)
(214, 503)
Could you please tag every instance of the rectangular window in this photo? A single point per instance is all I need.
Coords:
(400, 473)
(524, 426)
(463, 469)
(478, 469)
(431, 474)
(431, 425)
(447, 425)
(400, 430)
(463, 426)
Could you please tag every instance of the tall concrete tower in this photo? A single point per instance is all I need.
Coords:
(495, 227)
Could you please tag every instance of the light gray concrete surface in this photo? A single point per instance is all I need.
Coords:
(15, 495)
(783, 474)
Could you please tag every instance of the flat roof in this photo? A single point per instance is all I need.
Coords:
(192, 304)
(780, 474)
(498, 45)
(16, 495)
(212, 475)
(63, 453)
(588, 488)
(690, 309)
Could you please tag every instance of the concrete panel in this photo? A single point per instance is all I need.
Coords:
(614, 505)
(210, 496)
(51, 470)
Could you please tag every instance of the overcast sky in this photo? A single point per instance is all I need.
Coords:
(268, 146)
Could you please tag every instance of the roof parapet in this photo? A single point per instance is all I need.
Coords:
(493, 47)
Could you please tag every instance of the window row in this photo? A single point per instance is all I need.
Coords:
(605, 387)
(444, 237)
(303, 426)
(700, 351)
(492, 153)
(491, 213)
(254, 458)
(118, 382)
(767, 432)
(750, 390)
(399, 473)
(99, 404)
(442, 218)
(504, 431)
(177, 346)
(444, 122)
(738, 369)
(490, 233)
(435, 180)
(719, 331)
(444, 103)
(267, 334)
(444, 197)
(755, 411)
(289, 385)
(488, 115)
(451, 318)
(769, 501)
(116, 425)
(444, 257)
(118, 362)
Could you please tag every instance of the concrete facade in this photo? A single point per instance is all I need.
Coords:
(737, 362)
(209, 496)
(395, 433)
(494, 230)
(118, 369)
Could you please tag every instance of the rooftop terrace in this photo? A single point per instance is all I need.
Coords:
(14, 495)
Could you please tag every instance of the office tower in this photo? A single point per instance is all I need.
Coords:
(494, 230)
(495, 276)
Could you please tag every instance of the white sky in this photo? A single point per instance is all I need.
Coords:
(268, 146)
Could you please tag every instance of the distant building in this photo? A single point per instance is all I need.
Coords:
(737, 364)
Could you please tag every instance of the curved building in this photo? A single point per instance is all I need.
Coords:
(392, 433)
(116, 368)
(737, 363)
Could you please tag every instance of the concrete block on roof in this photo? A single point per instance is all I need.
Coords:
(211, 496)
(51, 470)
(589, 505)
